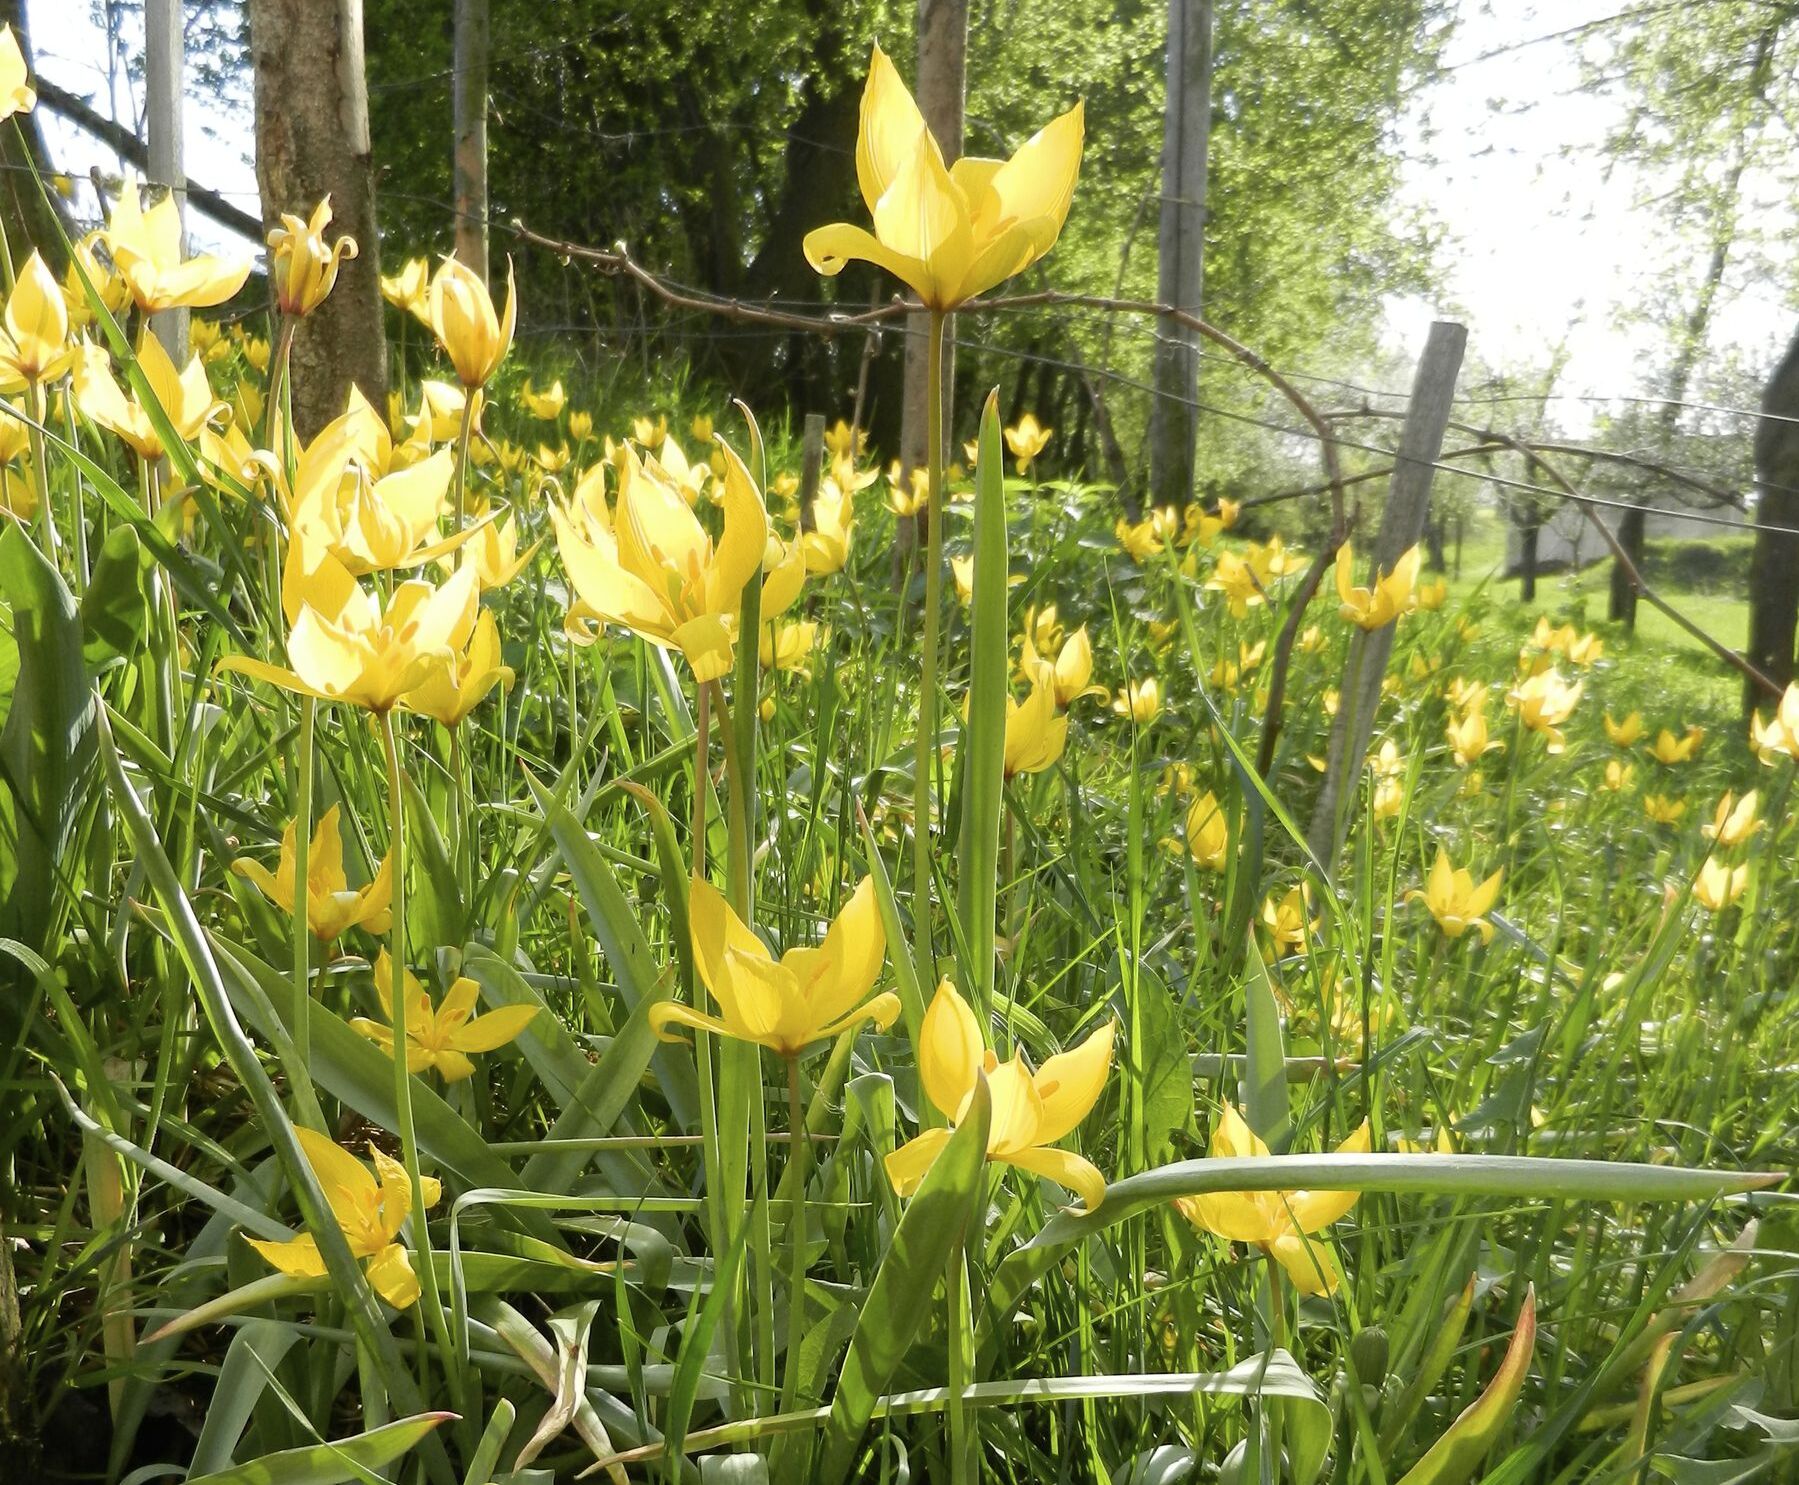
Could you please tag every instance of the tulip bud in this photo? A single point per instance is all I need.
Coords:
(1368, 1354)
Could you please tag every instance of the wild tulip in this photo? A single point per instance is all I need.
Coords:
(1393, 593)
(1283, 1224)
(302, 269)
(370, 1209)
(1140, 700)
(1036, 731)
(1734, 820)
(333, 906)
(547, 405)
(1070, 672)
(1237, 581)
(16, 93)
(146, 250)
(1208, 833)
(410, 290)
(807, 995)
(1544, 702)
(441, 1037)
(463, 319)
(460, 681)
(1455, 901)
(35, 346)
(949, 232)
(650, 566)
(827, 544)
(1624, 734)
(1289, 922)
(1718, 886)
(1671, 751)
(1025, 440)
(1031, 1111)
(1664, 810)
(185, 397)
(1778, 737)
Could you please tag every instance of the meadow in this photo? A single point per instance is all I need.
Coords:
(540, 945)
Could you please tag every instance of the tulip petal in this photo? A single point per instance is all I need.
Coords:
(299, 1256)
(706, 642)
(911, 1163)
(883, 1010)
(1071, 1082)
(891, 128)
(829, 248)
(1310, 1264)
(495, 1029)
(1065, 1168)
(274, 675)
(666, 1013)
(1236, 1216)
(949, 1050)
(390, 1271)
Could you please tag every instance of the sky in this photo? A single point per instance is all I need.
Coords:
(1542, 244)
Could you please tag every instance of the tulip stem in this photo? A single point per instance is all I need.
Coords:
(702, 728)
(737, 805)
(956, 1296)
(924, 753)
(302, 1011)
(799, 1159)
(41, 470)
(403, 1124)
(463, 434)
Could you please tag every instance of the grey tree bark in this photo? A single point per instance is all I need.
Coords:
(941, 93)
(1180, 271)
(1774, 567)
(469, 107)
(312, 140)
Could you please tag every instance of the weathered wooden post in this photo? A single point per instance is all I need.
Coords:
(468, 95)
(1401, 528)
(163, 44)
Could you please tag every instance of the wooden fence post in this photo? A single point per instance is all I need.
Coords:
(812, 465)
(163, 54)
(1401, 528)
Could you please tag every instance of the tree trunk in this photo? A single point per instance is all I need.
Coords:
(312, 140)
(1774, 569)
(942, 80)
(469, 109)
(29, 219)
(1527, 561)
(1180, 271)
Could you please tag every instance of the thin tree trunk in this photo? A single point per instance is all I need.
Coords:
(941, 94)
(1774, 568)
(312, 140)
(469, 107)
(1180, 271)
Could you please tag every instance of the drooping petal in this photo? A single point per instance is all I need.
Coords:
(1233, 1215)
(390, 1271)
(829, 248)
(1310, 1264)
(706, 642)
(666, 1013)
(911, 1163)
(1065, 1168)
(883, 1011)
(298, 1256)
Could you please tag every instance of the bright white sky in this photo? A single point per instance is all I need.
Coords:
(1541, 241)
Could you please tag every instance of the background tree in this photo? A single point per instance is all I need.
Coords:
(312, 141)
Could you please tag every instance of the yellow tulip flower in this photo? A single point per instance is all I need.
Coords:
(845, 442)
(1624, 734)
(546, 405)
(18, 494)
(1734, 820)
(1455, 902)
(333, 906)
(953, 232)
(783, 576)
(1274, 559)
(343, 647)
(458, 683)
(493, 552)
(441, 1036)
(1467, 734)
(35, 345)
(1146, 538)
(1544, 702)
(302, 269)
(580, 426)
(146, 250)
(1141, 701)
(16, 93)
(1618, 776)
(1663, 809)
(410, 289)
(670, 461)
(1030, 1110)
(1237, 581)
(15, 437)
(906, 498)
(1072, 669)
(108, 285)
(1310, 641)
(1036, 732)
(827, 544)
(1669, 750)
(439, 417)
(1718, 886)
(371, 1209)
(1208, 834)
(1393, 593)
(370, 525)
(654, 570)
(1283, 1224)
(1432, 596)
(787, 646)
(1585, 650)
(961, 571)
(1289, 922)
(785, 1004)
(1778, 737)
(463, 320)
(185, 397)
(649, 432)
(1026, 439)
(1228, 675)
